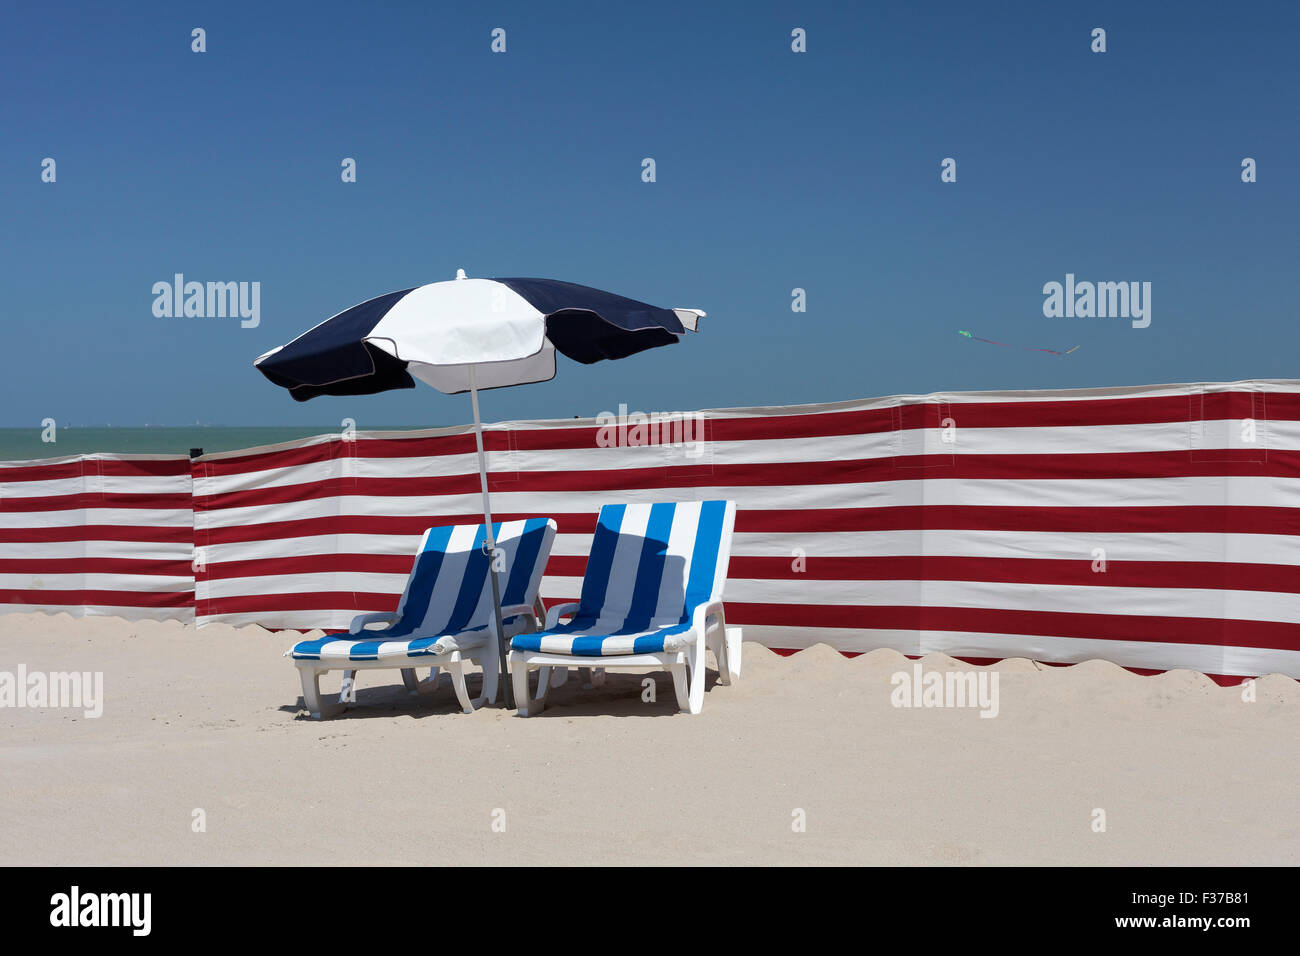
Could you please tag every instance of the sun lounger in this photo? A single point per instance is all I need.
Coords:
(445, 618)
(651, 597)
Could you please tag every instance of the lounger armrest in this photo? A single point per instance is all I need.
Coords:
(700, 620)
(554, 614)
(361, 620)
(513, 610)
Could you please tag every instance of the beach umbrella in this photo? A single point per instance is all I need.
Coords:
(466, 335)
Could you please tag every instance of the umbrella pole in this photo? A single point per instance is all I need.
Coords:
(490, 544)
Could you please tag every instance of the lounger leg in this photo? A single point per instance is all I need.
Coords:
(699, 675)
(526, 705)
(491, 679)
(415, 686)
(689, 682)
(456, 668)
(311, 696)
(559, 676)
(725, 644)
(348, 692)
(519, 677)
(732, 643)
(680, 684)
(593, 677)
(717, 643)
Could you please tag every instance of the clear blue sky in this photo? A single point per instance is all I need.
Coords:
(775, 170)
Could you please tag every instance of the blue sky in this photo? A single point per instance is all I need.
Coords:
(775, 170)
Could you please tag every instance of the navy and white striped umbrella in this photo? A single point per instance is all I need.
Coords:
(506, 330)
(466, 335)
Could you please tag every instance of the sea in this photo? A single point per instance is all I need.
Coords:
(24, 444)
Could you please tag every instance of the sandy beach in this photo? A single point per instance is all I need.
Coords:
(1185, 771)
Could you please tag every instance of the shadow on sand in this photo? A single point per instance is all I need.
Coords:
(622, 695)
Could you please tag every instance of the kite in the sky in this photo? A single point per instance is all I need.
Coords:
(1005, 345)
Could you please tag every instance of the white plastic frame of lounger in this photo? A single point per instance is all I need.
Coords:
(456, 663)
(518, 618)
(708, 631)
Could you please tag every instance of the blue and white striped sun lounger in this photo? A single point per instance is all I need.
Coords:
(445, 617)
(651, 596)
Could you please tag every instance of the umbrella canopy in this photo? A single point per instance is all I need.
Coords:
(466, 335)
(508, 330)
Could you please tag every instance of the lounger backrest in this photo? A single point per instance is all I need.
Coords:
(657, 562)
(448, 589)
(527, 546)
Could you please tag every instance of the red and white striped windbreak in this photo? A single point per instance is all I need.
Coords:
(99, 534)
(1154, 526)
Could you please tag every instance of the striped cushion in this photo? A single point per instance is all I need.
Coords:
(447, 604)
(650, 567)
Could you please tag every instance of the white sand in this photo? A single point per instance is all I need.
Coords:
(1186, 772)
